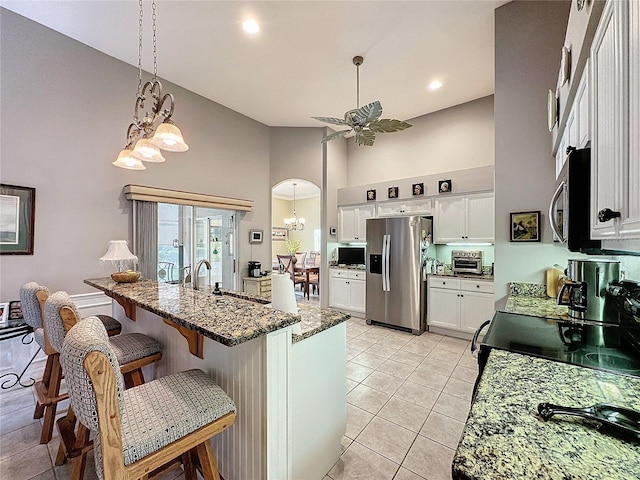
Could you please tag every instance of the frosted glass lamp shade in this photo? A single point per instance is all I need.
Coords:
(147, 152)
(126, 160)
(169, 137)
(119, 254)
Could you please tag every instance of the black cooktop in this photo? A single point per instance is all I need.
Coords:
(606, 346)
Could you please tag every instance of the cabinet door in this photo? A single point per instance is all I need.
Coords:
(480, 218)
(449, 221)
(631, 225)
(346, 224)
(390, 209)
(582, 114)
(475, 308)
(422, 206)
(607, 99)
(357, 290)
(339, 293)
(444, 308)
(362, 214)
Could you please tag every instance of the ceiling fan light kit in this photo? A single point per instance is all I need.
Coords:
(363, 122)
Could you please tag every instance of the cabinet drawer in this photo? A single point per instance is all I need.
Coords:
(361, 275)
(476, 286)
(441, 282)
(336, 272)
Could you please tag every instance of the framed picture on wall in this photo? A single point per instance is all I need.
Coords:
(279, 234)
(418, 189)
(393, 192)
(525, 226)
(255, 236)
(371, 195)
(17, 214)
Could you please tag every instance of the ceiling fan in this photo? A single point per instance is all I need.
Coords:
(364, 121)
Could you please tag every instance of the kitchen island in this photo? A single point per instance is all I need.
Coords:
(286, 373)
(504, 438)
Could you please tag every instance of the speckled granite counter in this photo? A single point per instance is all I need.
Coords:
(315, 320)
(505, 439)
(227, 319)
(537, 306)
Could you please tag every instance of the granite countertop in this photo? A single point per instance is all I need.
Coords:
(312, 318)
(504, 438)
(466, 276)
(532, 299)
(227, 319)
(349, 267)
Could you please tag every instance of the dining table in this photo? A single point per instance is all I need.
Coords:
(307, 270)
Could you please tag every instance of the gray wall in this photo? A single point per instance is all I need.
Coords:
(529, 38)
(65, 110)
(456, 138)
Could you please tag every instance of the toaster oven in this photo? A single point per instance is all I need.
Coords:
(466, 261)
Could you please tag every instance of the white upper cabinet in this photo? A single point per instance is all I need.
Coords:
(615, 122)
(422, 206)
(352, 222)
(464, 219)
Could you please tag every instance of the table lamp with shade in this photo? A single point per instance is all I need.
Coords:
(119, 255)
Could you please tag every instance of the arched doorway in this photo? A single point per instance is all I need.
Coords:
(290, 233)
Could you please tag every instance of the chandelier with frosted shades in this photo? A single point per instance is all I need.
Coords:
(148, 138)
(294, 223)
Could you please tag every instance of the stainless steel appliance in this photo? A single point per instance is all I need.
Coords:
(255, 269)
(570, 205)
(351, 256)
(585, 292)
(466, 261)
(396, 292)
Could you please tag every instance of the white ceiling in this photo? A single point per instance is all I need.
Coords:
(304, 189)
(300, 63)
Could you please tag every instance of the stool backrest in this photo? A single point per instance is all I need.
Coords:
(60, 314)
(95, 385)
(30, 304)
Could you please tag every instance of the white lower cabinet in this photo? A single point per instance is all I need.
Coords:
(459, 304)
(347, 290)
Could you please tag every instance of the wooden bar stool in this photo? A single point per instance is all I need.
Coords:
(133, 351)
(32, 298)
(140, 429)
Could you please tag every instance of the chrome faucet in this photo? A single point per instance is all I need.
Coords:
(195, 273)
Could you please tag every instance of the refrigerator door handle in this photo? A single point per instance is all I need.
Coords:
(386, 260)
(384, 263)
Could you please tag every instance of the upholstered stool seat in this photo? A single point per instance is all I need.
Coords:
(140, 429)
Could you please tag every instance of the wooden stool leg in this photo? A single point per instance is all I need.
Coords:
(133, 378)
(52, 391)
(79, 463)
(188, 466)
(208, 461)
(66, 426)
(46, 380)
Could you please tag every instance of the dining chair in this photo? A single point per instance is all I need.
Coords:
(141, 429)
(32, 299)
(133, 352)
(289, 266)
(301, 258)
(314, 278)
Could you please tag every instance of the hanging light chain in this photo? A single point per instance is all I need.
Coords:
(358, 85)
(155, 51)
(140, 48)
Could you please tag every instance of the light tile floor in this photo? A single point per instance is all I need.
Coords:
(408, 398)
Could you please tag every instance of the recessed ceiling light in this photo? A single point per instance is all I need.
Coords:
(435, 85)
(251, 26)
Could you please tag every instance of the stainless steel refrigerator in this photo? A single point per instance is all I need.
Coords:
(396, 291)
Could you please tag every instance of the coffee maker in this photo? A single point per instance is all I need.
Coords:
(585, 291)
(255, 269)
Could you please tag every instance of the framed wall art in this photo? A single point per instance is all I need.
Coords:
(255, 236)
(371, 195)
(279, 234)
(17, 218)
(444, 186)
(525, 226)
(393, 192)
(418, 189)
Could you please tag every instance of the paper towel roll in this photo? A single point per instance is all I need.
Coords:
(283, 296)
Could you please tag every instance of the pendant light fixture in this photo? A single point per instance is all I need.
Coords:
(294, 223)
(148, 139)
(364, 122)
